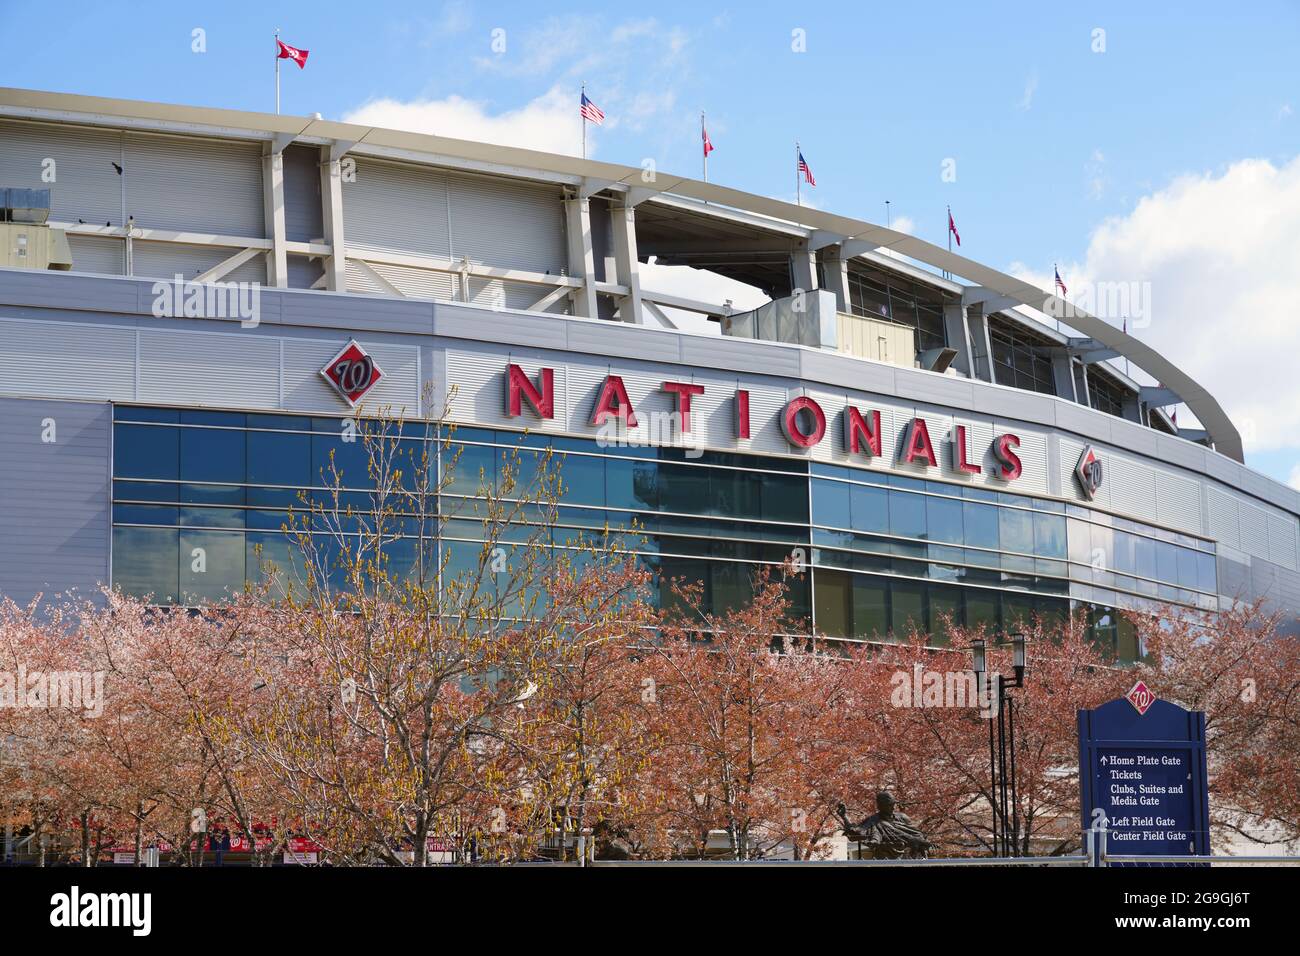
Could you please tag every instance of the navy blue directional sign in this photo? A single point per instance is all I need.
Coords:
(1142, 763)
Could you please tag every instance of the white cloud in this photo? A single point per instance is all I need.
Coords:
(1216, 254)
(1294, 479)
(1031, 87)
(633, 73)
(550, 122)
(1284, 111)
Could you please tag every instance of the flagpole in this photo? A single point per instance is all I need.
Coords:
(798, 188)
(277, 71)
(582, 104)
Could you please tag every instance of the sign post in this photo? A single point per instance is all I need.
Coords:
(1142, 776)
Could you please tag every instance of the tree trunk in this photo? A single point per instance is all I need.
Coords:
(85, 838)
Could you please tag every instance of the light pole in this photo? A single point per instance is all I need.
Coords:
(1003, 795)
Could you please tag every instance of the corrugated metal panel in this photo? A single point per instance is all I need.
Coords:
(165, 260)
(765, 405)
(67, 360)
(508, 225)
(419, 283)
(1178, 502)
(1254, 531)
(1224, 519)
(85, 185)
(1281, 541)
(306, 390)
(832, 405)
(1132, 485)
(96, 254)
(302, 205)
(303, 272)
(194, 185)
(54, 498)
(210, 368)
(397, 208)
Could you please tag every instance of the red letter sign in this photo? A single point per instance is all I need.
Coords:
(613, 400)
(790, 422)
(684, 391)
(1002, 448)
(518, 387)
(856, 429)
(917, 443)
(742, 413)
(959, 461)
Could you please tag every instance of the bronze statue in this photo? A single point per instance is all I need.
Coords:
(887, 834)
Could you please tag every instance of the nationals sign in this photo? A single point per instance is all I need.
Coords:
(352, 372)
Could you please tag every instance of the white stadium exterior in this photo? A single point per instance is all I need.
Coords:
(931, 447)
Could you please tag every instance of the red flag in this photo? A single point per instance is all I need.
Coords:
(952, 227)
(708, 143)
(292, 53)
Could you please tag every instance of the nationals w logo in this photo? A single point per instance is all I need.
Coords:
(352, 372)
(1088, 471)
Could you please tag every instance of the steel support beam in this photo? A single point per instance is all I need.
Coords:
(623, 224)
(277, 259)
(331, 194)
(582, 260)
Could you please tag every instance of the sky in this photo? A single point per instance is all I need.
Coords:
(1153, 148)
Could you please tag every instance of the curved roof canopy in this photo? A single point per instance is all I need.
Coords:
(857, 234)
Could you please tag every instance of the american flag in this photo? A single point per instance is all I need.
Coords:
(708, 143)
(1060, 286)
(952, 227)
(805, 171)
(590, 111)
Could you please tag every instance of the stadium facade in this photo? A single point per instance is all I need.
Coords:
(213, 291)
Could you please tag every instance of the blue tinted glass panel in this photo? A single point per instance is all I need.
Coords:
(276, 458)
(944, 520)
(981, 524)
(831, 504)
(146, 451)
(906, 514)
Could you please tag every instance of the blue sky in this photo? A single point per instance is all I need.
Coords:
(1052, 140)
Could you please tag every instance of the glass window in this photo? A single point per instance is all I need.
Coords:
(146, 451)
(471, 468)
(982, 609)
(277, 458)
(981, 525)
(906, 514)
(682, 488)
(785, 498)
(831, 504)
(870, 608)
(907, 607)
(211, 565)
(945, 610)
(212, 454)
(944, 519)
(582, 478)
(144, 562)
(1166, 561)
(870, 508)
(1016, 530)
(1205, 573)
(1049, 535)
(349, 460)
(633, 485)
(831, 598)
